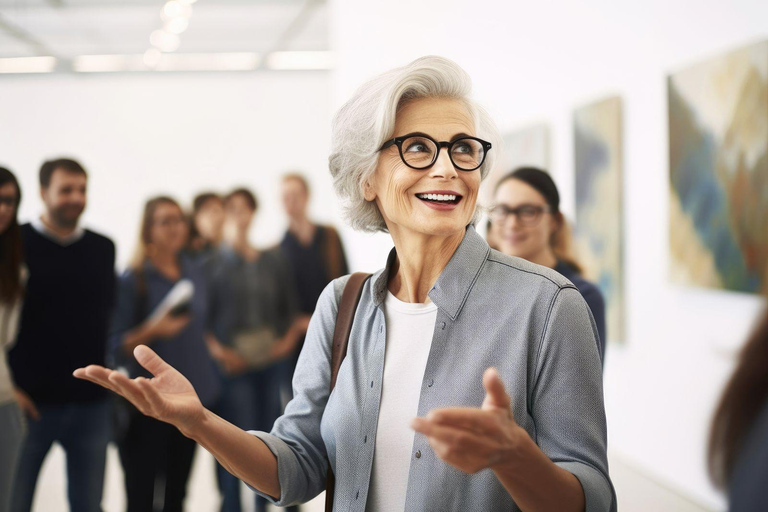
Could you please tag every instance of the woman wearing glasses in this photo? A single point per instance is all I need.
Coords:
(471, 381)
(526, 222)
(156, 458)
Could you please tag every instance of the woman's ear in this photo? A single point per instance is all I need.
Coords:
(368, 192)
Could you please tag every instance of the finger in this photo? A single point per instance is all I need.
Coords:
(151, 394)
(451, 443)
(98, 375)
(152, 362)
(475, 420)
(495, 394)
(130, 390)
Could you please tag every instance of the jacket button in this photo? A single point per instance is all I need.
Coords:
(431, 382)
(365, 439)
(357, 495)
(443, 326)
(418, 454)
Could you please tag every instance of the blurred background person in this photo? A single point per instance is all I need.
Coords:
(256, 327)
(64, 323)
(526, 222)
(314, 253)
(12, 276)
(156, 457)
(207, 224)
(738, 442)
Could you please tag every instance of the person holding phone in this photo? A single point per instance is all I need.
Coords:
(162, 302)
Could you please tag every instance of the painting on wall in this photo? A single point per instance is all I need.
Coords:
(598, 183)
(527, 146)
(718, 172)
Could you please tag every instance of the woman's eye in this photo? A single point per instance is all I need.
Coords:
(462, 147)
(417, 148)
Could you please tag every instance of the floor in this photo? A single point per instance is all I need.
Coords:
(636, 491)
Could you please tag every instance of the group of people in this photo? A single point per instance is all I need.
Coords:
(231, 316)
(472, 377)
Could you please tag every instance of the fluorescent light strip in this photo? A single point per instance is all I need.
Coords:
(167, 62)
(27, 65)
(300, 60)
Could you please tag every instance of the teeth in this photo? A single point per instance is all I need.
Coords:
(437, 197)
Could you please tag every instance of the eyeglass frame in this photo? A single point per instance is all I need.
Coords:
(398, 141)
(541, 210)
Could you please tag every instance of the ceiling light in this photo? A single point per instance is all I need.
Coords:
(152, 57)
(176, 9)
(164, 41)
(108, 63)
(27, 65)
(300, 60)
(176, 25)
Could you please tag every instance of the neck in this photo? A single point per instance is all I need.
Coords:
(420, 261)
(302, 228)
(546, 258)
(56, 228)
(164, 259)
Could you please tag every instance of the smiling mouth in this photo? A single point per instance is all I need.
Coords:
(440, 198)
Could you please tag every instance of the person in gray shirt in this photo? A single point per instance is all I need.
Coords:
(507, 411)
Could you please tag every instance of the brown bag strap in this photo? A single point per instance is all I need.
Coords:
(350, 298)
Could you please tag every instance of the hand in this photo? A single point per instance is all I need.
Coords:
(26, 404)
(474, 439)
(168, 397)
(168, 326)
(302, 323)
(231, 362)
(284, 346)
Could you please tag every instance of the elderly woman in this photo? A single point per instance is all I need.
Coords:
(490, 359)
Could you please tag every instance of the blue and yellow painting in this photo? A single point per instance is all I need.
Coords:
(598, 181)
(718, 163)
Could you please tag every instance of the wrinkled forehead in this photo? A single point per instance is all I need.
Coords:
(440, 118)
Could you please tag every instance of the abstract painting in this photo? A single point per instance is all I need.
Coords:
(598, 183)
(718, 172)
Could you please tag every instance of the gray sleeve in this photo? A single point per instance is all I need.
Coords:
(295, 439)
(567, 399)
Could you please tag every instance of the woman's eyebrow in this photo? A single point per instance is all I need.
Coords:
(460, 136)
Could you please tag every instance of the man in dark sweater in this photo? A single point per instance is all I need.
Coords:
(64, 325)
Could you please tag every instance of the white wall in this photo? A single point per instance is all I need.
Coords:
(140, 135)
(536, 61)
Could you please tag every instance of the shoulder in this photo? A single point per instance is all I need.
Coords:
(99, 239)
(513, 271)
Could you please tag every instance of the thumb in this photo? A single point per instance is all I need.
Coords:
(496, 396)
(152, 362)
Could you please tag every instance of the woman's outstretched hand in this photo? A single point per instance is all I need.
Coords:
(168, 396)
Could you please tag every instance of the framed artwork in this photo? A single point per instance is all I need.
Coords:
(598, 183)
(718, 172)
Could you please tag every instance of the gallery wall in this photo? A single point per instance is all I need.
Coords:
(535, 62)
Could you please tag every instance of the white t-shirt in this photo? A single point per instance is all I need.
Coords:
(409, 337)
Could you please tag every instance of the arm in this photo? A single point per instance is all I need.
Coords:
(169, 397)
(291, 462)
(596, 304)
(565, 467)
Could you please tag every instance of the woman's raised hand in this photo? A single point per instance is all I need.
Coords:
(474, 439)
(168, 396)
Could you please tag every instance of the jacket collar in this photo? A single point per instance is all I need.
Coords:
(455, 282)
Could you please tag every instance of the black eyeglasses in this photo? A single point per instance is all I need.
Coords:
(529, 215)
(420, 151)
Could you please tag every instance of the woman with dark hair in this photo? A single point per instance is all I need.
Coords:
(156, 457)
(206, 223)
(526, 222)
(738, 441)
(11, 293)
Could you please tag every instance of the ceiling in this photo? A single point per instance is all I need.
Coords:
(66, 29)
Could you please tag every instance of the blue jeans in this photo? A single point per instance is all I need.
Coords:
(11, 435)
(83, 430)
(252, 402)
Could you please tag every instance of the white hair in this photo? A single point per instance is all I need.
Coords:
(367, 120)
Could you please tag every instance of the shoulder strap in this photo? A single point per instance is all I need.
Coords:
(350, 298)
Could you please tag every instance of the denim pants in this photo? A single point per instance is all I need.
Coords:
(12, 430)
(83, 430)
(252, 402)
